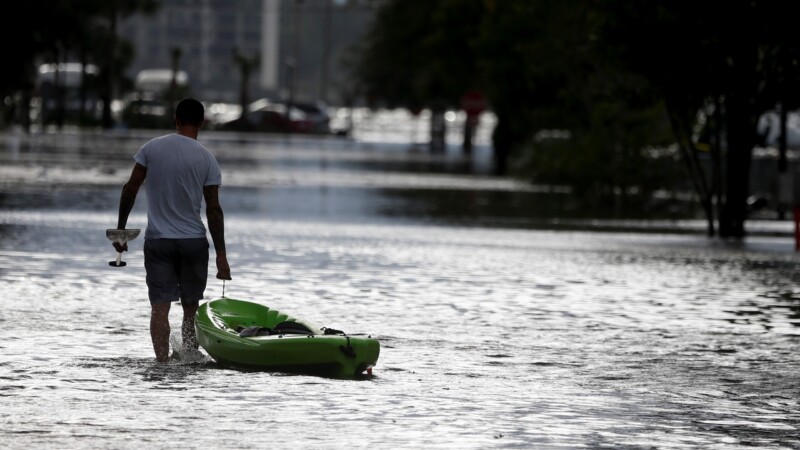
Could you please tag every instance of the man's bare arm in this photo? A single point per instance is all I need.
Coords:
(128, 198)
(216, 226)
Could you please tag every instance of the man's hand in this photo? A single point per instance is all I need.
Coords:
(120, 248)
(223, 269)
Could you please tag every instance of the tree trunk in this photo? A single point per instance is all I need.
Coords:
(741, 135)
(108, 94)
(502, 141)
(682, 131)
(783, 164)
(438, 130)
(59, 90)
(469, 133)
(244, 98)
(82, 94)
(25, 109)
(717, 178)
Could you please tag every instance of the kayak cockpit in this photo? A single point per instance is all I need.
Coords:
(279, 329)
(261, 321)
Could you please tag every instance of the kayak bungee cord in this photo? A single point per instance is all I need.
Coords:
(346, 349)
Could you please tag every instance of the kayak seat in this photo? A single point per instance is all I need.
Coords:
(281, 328)
(292, 328)
(254, 330)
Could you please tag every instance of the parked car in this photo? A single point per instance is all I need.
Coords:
(160, 80)
(267, 116)
(146, 110)
(315, 118)
(61, 95)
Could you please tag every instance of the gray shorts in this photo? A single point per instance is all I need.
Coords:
(176, 269)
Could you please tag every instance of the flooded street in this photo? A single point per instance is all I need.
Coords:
(501, 324)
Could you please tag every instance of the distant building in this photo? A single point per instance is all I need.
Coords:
(301, 55)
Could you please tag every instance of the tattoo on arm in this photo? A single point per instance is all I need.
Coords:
(215, 217)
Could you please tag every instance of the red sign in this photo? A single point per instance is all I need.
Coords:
(473, 103)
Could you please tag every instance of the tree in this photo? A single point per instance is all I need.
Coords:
(529, 54)
(724, 72)
(35, 29)
(118, 54)
(418, 54)
(548, 74)
(619, 78)
(52, 31)
(246, 66)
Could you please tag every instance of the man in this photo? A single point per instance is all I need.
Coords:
(180, 173)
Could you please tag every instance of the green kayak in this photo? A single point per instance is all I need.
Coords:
(249, 335)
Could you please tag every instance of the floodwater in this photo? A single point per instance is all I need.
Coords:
(496, 331)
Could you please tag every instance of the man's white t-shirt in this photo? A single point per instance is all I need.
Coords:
(178, 167)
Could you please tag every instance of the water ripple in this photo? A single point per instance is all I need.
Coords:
(490, 339)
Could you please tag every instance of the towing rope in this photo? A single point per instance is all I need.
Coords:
(346, 349)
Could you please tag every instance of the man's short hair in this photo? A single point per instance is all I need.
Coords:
(190, 112)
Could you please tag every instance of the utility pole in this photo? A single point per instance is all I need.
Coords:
(326, 50)
(172, 95)
(292, 64)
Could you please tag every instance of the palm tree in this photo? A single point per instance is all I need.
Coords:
(246, 67)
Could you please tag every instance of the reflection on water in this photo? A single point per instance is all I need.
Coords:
(512, 336)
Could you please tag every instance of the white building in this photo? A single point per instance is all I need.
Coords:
(300, 39)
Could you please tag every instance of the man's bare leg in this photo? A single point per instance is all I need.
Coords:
(188, 333)
(159, 330)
